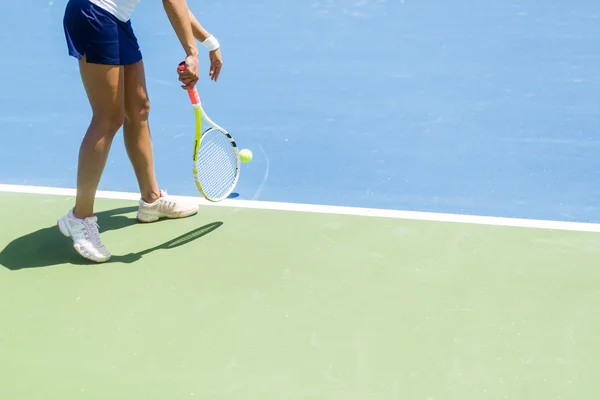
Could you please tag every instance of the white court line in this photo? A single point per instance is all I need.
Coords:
(324, 209)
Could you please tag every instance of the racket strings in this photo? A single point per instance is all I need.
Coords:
(216, 165)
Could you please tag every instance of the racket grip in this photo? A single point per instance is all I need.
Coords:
(192, 93)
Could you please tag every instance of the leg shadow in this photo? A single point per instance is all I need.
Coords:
(47, 246)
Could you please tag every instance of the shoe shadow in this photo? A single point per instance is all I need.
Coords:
(47, 247)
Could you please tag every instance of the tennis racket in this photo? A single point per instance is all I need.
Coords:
(216, 159)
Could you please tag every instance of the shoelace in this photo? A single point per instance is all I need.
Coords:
(166, 204)
(92, 233)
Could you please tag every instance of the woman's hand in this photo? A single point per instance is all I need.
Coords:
(189, 76)
(216, 62)
(179, 16)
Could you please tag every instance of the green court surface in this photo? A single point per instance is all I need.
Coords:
(267, 304)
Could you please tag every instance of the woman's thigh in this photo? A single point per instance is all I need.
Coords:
(104, 46)
(105, 88)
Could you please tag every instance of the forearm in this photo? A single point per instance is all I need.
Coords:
(198, 30)
(178, 14)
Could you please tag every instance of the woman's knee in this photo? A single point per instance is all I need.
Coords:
(137, 103)
(109, 121)
(138, 110)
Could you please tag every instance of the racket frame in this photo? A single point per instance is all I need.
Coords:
(200, 114)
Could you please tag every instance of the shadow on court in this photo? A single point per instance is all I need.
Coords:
(171, 244)
(47, 247)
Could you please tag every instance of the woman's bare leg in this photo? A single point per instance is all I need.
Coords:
(136, 131)
(154, 203)
(104, 85)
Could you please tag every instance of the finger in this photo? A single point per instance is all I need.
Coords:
(217, 72)
(189, 85)
(187, 77)
(187, 71)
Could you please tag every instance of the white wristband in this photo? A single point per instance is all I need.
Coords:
(211, 43)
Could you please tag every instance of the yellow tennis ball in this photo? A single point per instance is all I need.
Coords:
(245, 155)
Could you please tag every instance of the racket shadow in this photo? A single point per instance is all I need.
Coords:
(179, 241)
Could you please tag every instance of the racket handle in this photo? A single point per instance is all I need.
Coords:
(192, 93)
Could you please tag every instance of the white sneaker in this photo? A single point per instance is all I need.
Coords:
(164, 207)
(85, 235)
